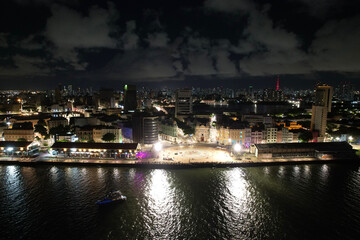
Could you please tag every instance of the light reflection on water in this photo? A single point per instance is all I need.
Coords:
(236, 203)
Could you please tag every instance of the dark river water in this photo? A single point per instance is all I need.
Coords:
(278, 202)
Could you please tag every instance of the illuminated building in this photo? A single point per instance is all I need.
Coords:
(320, 109)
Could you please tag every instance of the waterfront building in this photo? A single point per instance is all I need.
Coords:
(284, 136)
(95, 150)
(18, 148)
(232, 135)
(20, 131)
(95, 133)
(321, 151)
(145, 128)
(224, 135)
(202, 133)
(183, 102)
(169, 130)
(320, 109)
(271, 135)
(256, 136)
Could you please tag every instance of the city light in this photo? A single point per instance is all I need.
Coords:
(10, 149)
(158, 146)
(237, 147)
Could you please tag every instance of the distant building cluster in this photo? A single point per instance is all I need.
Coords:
(145, 116)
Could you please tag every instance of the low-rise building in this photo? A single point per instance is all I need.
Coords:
(18, 148)
(100, 131)
(169, 130)
(233, 135)
(57, 121)
(256, 136)
(20, 131)
(95, 150)
(95, 133)
(271, 135)
(322, 151)
(202, 133)
(69, 137)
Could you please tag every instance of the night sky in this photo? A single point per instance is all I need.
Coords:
(232, 43)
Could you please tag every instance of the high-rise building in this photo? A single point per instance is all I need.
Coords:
(145, 128)
(130, 102)
(104, 97)
(345, 91)
(320, 109)
(183, 103)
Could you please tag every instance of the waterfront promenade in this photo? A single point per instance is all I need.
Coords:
(182, 161)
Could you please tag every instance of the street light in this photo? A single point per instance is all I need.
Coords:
(158, 146)
(350, 139)
(237, 147)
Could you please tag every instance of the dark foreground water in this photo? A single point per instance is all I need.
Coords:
(279, 202)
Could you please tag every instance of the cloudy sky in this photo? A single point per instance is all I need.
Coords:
(178, 42)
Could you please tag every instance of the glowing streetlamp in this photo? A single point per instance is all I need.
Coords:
(237, 147)
(351, 138)
(158, 146)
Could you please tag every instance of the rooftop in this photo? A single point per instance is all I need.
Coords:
(16, 144)
(318, 146)
(127, 146)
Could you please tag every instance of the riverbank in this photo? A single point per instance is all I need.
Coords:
(173, 165)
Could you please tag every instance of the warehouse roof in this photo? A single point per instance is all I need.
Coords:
(318, 146)
(128, 146)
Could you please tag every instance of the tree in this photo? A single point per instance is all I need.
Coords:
(186, 128)
(91, 141)
(108, 137)
(60, 130)
(305, 136)
(41, 122)
(40, 129)
(21, 140)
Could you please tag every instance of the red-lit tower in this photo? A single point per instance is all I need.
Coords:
(278, 84)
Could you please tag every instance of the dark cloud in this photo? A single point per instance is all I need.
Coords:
(180, 41)
(269, 49)
(336, 46)
(26, 66)
(141, 65)
(3, 40)
(130, 39)
(229, 5)
(46, 2)
(69, 30)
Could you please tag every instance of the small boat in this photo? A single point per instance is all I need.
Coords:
(112, 197)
